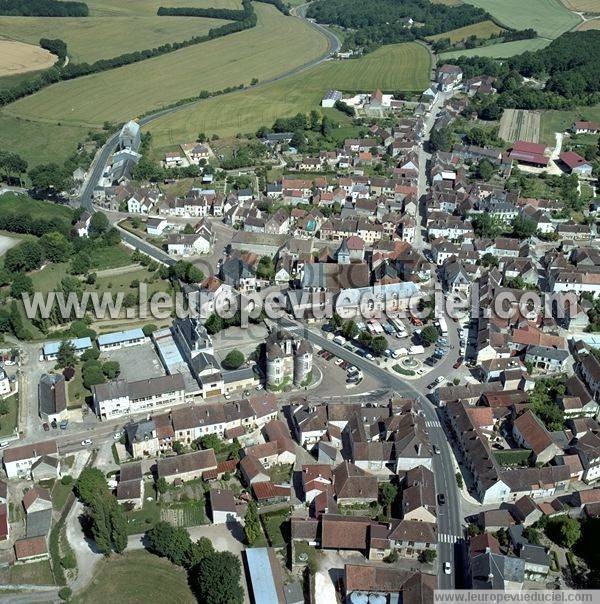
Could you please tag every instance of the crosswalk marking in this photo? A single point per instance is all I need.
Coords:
(445, 538)
(433, 424)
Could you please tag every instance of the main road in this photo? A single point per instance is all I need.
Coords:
(101, 159)
(449, 522)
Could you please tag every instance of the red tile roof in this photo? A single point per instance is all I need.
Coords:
(28, 548)
(268, 490)
(527, 147)
(572, 159)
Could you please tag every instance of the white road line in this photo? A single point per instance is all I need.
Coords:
(433, 424)
(445, 538)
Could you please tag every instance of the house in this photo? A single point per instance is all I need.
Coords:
(36, 500)
(187, 466)
(551, 360)
(526, 511)
(418, 495)
(590, 371)
(575, 164)
(530, 433)
(52, 398)
(31, 549)
(18, 461)
(222, 506)
(330, 98)
(252, 470)
(385, 584)
(156, 226)
(583, 127)
(491, 570)
(449, 77)
(197, 153)
(532, 154)
(193, 244)
(142, 438)
(45, 468)
(83, 224)
(130, 488)
(267, 493)
(412, 537)
(316, 479)
(351, 484)
(120, 397)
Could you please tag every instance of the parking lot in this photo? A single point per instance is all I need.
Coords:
(137, 363)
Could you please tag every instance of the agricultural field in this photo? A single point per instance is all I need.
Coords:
(273, 47)
(560, 121)
(484, 29)
(391, 68)
(447, 2)
(583, 6)
(520, 125)
(39, 143)
(17, 57)
(112, 8)
(91, 38)
(499, 51)
(137, 576)
(550, 18)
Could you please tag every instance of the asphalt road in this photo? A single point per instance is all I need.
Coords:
(450, 533)
(334, 45)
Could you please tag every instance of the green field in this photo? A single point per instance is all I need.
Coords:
(559, 121)
(549, 18)
(39, 143)
(499, 51)
(273, 47)
(112, 8)
(137, 577)
(391, 68)
(483, 29)
(92, 38)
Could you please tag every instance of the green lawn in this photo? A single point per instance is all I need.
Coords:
(483, 29)
(391, 68)
(35, 573)
(91, 38)
(498, 51)
(549, 18)
(277, 527)
(274, 46)
(559, 121)
(8, 422)
(10, 203)
(77, 391)
(117, 8)
(60, 493)
(137, 577)
(39, 142)
(139, 521)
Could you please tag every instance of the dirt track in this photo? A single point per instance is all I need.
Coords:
(18, 57)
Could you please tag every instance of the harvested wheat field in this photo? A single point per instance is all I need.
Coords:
(520, 125)
(17, 57)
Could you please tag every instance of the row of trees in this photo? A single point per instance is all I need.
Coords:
(106, 518)
(43, 8)
(56, 46)
(214, 576)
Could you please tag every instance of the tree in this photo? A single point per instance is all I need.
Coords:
(234, 360)
(149, 329)
(485, 169)
(429, 335)
(66, 354)
(178, 447)
(378, 345)
(56, 247)
(80, 264)
(387, 494)
(100, 515)
(266, 268)
(99, 224)
(111, 369)
(188, 229)
(570, 532)
(217, 579)
(440, 139)
(350, 330)
(21, 284)
(252, 528)
(523, 228)
(197, 552)
(428, 556)
(489, 260)
(169, 542)
(162, 486)
(214, 324)
(90, 482)
(118, 525)
(486, 225)
(49, 176)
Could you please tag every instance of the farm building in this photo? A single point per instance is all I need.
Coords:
(265, 576)
(575, 164)
(330, 98)
(585, 128)
(532, 154)
(120, 339)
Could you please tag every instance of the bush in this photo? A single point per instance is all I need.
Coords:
(68, 561)
(66, 480)
(65, 593)
(234, 360)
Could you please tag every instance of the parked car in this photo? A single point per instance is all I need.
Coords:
(436, 450)
(447, 568)
(369, 356)
(46, 427)
(441, 498)
(86, 443)
(338, 362)
(117, 435)
(63, 425)
(458, 363)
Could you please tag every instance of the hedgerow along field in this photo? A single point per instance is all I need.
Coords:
(273, 47)
(398, 67)
(483, 29)
(549, 18)
(498, 51)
